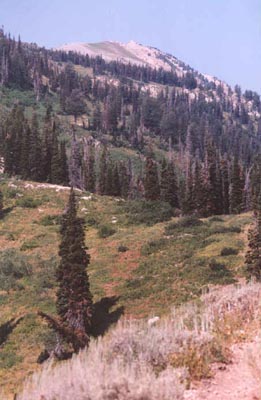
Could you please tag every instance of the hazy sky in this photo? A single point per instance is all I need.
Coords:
(218, 37)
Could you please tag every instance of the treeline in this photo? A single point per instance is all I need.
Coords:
(129, 115)
(121, 70)
(213, 186)
(204, 182)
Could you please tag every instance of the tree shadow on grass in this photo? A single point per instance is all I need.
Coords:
(102, 320)
(103, 317)
(7, 328)
(5, 212)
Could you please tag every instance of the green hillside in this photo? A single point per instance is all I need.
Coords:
(150, 265)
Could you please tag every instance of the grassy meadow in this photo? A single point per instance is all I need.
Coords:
(144, 259)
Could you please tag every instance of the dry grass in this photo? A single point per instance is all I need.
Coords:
(136, 361)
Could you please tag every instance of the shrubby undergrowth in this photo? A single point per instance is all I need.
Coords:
(146, 212)
(137, 361)
(13, 266)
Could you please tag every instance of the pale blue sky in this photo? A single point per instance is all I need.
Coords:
(218, 37)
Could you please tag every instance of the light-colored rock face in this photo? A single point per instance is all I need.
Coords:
(127, 52)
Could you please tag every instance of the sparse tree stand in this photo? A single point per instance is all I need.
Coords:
(253, 255)
(74, 299)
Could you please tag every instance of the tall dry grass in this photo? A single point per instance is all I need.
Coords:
(136, 361)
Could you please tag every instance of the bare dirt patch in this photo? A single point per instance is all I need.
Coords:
(235, 381)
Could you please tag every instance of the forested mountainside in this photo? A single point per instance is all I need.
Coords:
(162, 148)
(164, 133)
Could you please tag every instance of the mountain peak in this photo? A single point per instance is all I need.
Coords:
(131, 52)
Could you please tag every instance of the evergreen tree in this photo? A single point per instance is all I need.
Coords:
(124, 172)
(74, 299)
(188, 201)
(35, 154)
(225, 185)
(47, 145)
(64, 164)
(109, 179)
(103, 165)
(97, 118)
(256, 182)
(75, 167)
(116, 186)
(151, 181)
(56, 162)
(168, 184)
(25, 149)
(213, 190)
(198, 189)
(75, 104)
(253, 255)
(236, 188)
(89, 167)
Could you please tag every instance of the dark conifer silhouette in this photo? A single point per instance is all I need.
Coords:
(74, 299)
(151, 180)
(253, 255)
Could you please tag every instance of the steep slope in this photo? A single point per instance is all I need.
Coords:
(147, 56)
(149, 267)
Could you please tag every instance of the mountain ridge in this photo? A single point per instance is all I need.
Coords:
(146, 55)
(152, 57)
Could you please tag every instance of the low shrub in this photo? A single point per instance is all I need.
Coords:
(225, 229)
(219, 273)
(11, 193)
(8, 359)
(91, 221)
(228, 251)
(182, 223)
(153, 246)
(45, 278)
(122, 249)
(29, 245)
(216, 266)
(216, 219)
(49, 220)
(13, 266)
(10, 237)
(28, 202)
(105, 231)
(146, 212)
(188, 222)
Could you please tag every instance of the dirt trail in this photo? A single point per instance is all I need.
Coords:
(235, 381)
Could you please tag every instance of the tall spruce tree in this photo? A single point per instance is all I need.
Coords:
(253, 255)
(151, 182)
(64, 164)
(198, 189)
(168, 184)
(103, 166)
(225, 185)
(256, 182)
(89, 167)
(236, 188)
(188, 201)
(35, 154)
(74, 299)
